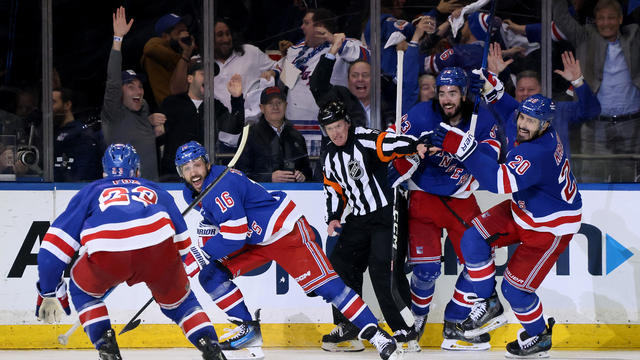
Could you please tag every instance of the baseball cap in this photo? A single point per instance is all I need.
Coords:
(269, 93)
(130, 75)
(167, 22)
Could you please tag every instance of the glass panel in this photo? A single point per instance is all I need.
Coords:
(20, 115)
(96, 105)
(604, 123)
(284, 39)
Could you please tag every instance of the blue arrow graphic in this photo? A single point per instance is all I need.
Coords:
(616, 254)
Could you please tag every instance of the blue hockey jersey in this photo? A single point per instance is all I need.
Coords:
(244, 212)
(389, 25)
(466, 56)
(441, 173)
(538, 175)
(110, 215)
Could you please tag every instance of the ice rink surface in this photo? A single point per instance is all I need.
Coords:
(307, 354)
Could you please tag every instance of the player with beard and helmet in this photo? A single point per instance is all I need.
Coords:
(543, 215)
(441, 197)
(255, 227)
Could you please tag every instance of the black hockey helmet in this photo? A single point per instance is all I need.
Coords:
(332, 112)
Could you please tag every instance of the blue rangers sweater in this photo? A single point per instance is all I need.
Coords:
(244, 212)
(110, 215)
(538, 175)
(441, 173)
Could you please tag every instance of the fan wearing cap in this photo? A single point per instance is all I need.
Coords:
(275, 150)
(355, 176)
(125, 113)
(169, 50)
(185, 117)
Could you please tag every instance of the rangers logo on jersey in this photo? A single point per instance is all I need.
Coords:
(355, 170)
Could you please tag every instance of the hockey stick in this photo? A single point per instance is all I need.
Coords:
(485, 54)
(63, 339)
(134, 322)
(397, 194)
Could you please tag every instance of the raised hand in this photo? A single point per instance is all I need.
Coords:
(235, 85)
(572, 70)
(495, 63)
(120, 25)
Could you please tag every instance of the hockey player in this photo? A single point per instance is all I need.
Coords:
(543, 215)
(354, 169)
(256, 227)
(128, 230)
(441, 197)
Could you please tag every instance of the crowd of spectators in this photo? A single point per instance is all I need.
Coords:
(156, 103)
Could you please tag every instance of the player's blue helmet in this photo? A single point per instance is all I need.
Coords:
(120, 160)
(189, 152)
(454, 76)
(539, 107)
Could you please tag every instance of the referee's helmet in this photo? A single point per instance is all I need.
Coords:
(332, 112)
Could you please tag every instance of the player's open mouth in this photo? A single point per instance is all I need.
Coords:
(522, 131)
(136, 99)
(196, 181)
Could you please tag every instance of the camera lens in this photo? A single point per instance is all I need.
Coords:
(27, 157)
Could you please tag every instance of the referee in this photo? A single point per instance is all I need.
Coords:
(355, 175)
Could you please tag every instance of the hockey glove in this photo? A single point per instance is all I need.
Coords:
(401, 169)
(195, 260)
(454, 141)
(50, 305)
(492, 88)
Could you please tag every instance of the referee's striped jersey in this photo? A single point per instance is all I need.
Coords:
(356, 174)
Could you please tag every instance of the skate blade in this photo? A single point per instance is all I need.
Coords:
(249, 353)
(495, 323)
(345, 346)
(461, 345)
(411, 346)
(540, 355)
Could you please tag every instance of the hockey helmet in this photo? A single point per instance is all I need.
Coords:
(539, 107)
(332, 112)
(453, 76)
(189, 152)
(120, 160)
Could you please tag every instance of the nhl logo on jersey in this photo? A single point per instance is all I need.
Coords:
(355, 170)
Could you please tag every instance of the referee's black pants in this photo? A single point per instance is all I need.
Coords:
(365, 241)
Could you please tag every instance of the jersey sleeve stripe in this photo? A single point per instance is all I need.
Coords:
(63, 236)
(53, 240)
(495, 144)
(283, 216)
(61, 255)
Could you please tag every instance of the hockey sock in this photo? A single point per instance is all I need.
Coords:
(478, 262)
(527, 308)
(348, 302)
(193, 321)
(215, 281)
(459, 306)
(423, 284)
(92, 312)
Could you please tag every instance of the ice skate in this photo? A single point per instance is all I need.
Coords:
(383, 342)
(485, 315)
(454, 339)
(344, 337)
(531, 347)
(210, 349)
(246, 334)
(407, 340)
(109, 349)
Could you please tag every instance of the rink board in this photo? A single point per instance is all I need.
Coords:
(593, 295)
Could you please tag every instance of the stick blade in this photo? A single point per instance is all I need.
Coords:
(130, 326)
